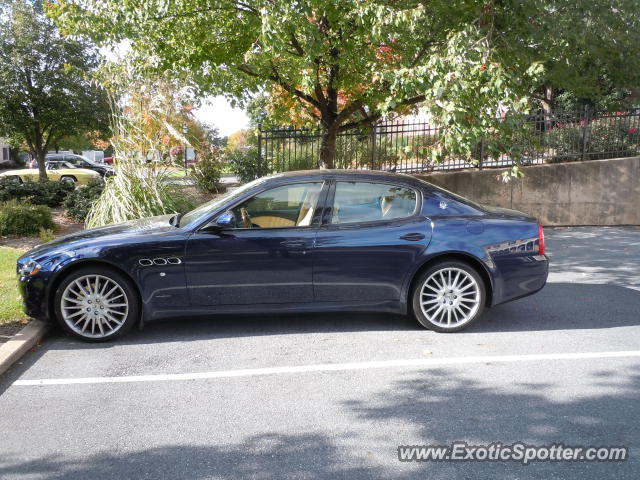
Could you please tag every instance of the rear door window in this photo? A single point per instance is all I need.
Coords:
(356, 202)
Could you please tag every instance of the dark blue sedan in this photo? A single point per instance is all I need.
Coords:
(297, 242)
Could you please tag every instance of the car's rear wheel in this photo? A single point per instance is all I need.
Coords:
(96, 304)
(14, 178)
(448, 296)
(68, 179)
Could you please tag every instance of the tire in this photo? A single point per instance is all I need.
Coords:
(15, 179)
(448, 297)
(68, 179)
(96, 313)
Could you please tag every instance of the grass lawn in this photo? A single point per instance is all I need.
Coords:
(176, 172)
(10, 303)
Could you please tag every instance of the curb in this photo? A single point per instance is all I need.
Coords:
(12, 350)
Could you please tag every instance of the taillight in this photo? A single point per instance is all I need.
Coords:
(541, 239)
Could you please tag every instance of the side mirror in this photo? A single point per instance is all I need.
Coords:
(226, 220)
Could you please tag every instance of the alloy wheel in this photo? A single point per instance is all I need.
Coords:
(94, 306)
(450, 297)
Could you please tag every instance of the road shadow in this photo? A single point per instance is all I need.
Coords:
(565, 306)
(446, 405)
(433, 407)
(274, 456)
(557, 306)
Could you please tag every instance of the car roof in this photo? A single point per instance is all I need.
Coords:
(361, 175)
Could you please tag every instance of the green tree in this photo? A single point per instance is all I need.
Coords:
(589, 49)
(46, 94)
(346, 63)
(258, 111)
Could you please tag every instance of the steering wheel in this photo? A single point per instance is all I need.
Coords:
(246, 218)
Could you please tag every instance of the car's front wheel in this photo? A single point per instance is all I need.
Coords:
(68, 179)
(14, 178)
(96, 304)
(448, 296)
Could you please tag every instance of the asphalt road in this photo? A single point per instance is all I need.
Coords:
(313, 422)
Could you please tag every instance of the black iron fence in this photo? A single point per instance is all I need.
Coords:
(406, 145)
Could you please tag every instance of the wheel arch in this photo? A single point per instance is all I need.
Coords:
(464, 257)
(82, 263)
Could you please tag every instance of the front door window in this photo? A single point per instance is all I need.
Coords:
(281, 207)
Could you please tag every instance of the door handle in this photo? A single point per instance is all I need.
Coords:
(412, 237)
(294, 244)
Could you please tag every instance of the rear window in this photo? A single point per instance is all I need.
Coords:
(439, 202)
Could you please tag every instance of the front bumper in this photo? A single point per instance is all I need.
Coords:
(33, 290)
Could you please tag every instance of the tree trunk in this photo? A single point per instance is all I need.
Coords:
(328, 146)
(547, 103)
(39, 151)
(42, 169)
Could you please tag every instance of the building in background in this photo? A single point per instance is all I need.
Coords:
(5, 153)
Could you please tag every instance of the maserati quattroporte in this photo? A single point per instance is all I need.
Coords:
(323, 240)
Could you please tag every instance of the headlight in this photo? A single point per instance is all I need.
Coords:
(30, 268)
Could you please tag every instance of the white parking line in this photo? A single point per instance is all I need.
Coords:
(330, 367)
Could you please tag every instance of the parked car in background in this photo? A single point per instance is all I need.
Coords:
(57, 171)
(77, 161)
(108, 160)
(322, 240)
(96, 156)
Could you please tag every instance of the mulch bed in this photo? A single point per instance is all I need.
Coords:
(64, 226)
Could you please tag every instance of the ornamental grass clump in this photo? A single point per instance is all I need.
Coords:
(138, 189)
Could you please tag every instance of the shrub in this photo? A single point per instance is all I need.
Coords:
(182, 201)
(291, 160)
(206, 173)
(565, 140)
(47, 192)
(244, 164)
(605, 138)
(46, 235)
(609, 139)
(24, 218)
(79, 202)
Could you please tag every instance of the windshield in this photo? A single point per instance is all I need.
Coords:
(201, 212)
(79, 159)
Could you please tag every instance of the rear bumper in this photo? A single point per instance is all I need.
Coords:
(529, 278)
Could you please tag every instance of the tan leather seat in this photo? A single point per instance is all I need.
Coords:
(385, 205)
(306, 212)
(272, 222)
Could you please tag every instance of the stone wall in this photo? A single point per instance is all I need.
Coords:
(595, 192)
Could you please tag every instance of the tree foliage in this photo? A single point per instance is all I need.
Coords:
(159, 106)
(46, 92)
(589, 49)
(345, 64)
